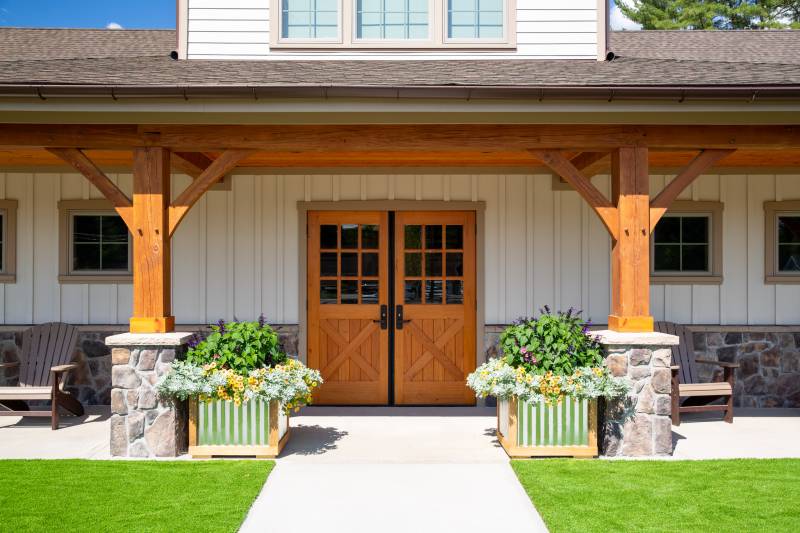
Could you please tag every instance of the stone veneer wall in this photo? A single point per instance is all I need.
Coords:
(91, 381)
(769, 364)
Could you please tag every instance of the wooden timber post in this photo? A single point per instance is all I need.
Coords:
(152, 311)
(630, 252)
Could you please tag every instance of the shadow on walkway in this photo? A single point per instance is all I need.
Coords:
(312, 440)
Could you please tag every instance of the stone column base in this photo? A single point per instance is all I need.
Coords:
(638, 425)
(142, 424)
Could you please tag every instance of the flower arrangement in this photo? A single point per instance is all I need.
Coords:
(239, 362)
(546, 358)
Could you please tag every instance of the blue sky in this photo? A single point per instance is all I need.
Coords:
(123, 13)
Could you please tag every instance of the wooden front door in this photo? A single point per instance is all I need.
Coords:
(405, 308)
(347, 285)
(436, 307)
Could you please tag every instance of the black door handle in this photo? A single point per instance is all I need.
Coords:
(399, 318)
(384, 321)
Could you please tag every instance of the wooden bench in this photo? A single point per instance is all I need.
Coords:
(689, 395)
(47, 350)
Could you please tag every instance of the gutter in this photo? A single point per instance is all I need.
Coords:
(610, 94)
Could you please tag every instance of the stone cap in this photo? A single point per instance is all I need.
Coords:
(173, 338)
(651, 338)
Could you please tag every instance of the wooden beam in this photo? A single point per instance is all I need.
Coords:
(152, 310)
(78, 160)
(398, 137)
(221, 166)
(704, 161)
(591, 163)
(191, 163)
(630, 253)
(564, 168)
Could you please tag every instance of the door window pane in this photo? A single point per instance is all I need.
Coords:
(433, 291)
(327, 291)
(369, 292)
(328, 236)
(413, 292)
(454, 237)
(454, 264)
(413, 264)
(392, 19)
(369, 237)
(349, 264)
(349, 291)
(455, 292)
(328, 264)
(433, 237)
(475, 19)
(369, 264)
(413, 237)
(433, 264)
(789, 243)
(349, 236)
(309, 19)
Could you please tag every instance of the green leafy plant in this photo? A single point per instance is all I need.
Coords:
(238, 346)
(557, 342)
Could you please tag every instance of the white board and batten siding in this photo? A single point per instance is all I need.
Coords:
(240, 29)
(236, 254)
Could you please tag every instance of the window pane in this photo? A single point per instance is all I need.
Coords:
(369, 237)
(433, 237)
(667, 230)
(328, 236)
(115, 257)
(454, 236)
(695, 229)
(369, 292)
(349, 291)
(349, 236)
(86, 228)
(392, 19)
(369, 264)
(433, 291)
(413, 264)
(475, 19)
(413, 292)
(85, 256)
(455, 292)
(327, 292)
(789, 258)
(328, 264)
(309, 19)
(667, 257)
(413, 237)
(349, 265)
(695, 258)
(454, 264)
(433, 264)
(789, 229)
(114, 229)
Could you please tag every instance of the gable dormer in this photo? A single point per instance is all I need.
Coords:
(392, 29)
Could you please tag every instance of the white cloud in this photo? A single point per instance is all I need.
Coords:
(113, 26)
(619, 21)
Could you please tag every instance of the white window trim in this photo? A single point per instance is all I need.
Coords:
(772, 210)
(712, 210)
(8, 273)
(438, 32)
(68, 209)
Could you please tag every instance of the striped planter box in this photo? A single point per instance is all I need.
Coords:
(254, 428)
(567, 428)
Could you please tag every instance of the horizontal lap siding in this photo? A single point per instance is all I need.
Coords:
(240, 29)
(236, 253)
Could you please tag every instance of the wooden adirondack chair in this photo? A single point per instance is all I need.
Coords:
(46, 354)
(688, 394)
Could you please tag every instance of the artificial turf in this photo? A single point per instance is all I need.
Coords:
(647, 496)
(141, 496)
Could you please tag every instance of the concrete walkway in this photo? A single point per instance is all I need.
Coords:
(78, 437)
(352, 470)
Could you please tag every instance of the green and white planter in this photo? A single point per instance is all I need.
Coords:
(220, 428)
(566, 428)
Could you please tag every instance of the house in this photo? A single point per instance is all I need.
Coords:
(391, 183)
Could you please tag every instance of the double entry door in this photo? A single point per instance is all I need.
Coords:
(391, 306)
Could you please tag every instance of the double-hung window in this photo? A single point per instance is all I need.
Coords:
(686, 244)
(398, 24)
(8, 239)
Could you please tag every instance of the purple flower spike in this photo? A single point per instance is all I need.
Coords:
(221, 325)
(261, 320)
(547, 309)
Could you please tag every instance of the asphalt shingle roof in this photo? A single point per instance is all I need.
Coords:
(140, 58)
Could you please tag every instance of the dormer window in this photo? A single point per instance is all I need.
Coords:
(395, 24)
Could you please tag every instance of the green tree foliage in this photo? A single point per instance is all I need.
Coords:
(712, 14)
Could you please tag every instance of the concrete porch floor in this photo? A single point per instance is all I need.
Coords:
(402, 435)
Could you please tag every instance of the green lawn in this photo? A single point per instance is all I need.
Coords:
(136, 496)
(681, 496)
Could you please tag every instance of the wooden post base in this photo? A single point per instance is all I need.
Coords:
(630, 324)
(157, 324)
